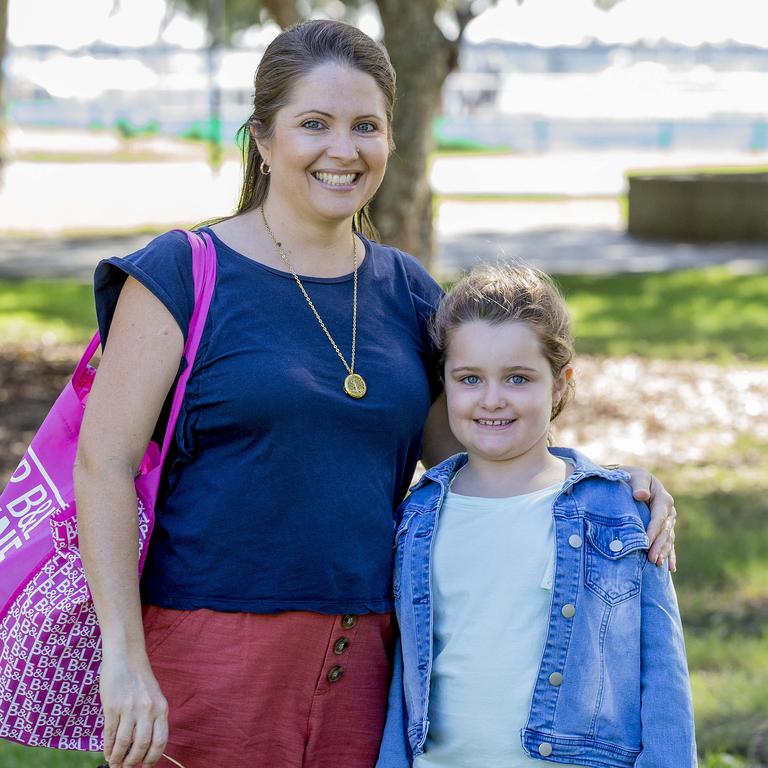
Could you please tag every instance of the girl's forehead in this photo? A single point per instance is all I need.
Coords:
(512, 332)
(495, 343)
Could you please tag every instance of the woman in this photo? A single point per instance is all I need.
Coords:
(265, 632)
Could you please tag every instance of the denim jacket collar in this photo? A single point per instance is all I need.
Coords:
(613, 631)
(443, 472)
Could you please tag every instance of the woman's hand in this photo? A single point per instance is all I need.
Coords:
(136, 372)
(661, 529)
(135, 713)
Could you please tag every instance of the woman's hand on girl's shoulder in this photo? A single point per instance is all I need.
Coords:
(661, 529)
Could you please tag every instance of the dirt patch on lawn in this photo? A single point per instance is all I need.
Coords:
(660, 414)
(709, 419)
(31, 377)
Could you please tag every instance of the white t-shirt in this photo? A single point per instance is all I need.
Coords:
(493, 566)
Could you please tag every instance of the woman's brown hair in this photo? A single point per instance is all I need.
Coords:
(290, 56)
(510, 292)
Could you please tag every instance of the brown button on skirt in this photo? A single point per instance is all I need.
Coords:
(249, 690)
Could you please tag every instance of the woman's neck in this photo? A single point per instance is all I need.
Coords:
(510, 477)
(320, 248)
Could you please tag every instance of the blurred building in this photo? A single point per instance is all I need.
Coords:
(507, 95)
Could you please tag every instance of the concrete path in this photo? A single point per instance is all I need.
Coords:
(584, 233)
(558, 250)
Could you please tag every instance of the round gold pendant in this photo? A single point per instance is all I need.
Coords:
(355, 386)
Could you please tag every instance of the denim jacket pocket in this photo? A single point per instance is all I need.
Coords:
(614, 559)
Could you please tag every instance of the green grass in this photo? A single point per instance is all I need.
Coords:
(527, 197)
(92, 233)
(686, 169)
(80, 158)
(53, 310)
(113, 156)
(16, 756)
(722, 582)
(707, 314)
(722, 586)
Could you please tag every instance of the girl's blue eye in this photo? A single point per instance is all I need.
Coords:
(471, 379)
(366, 127)
(517, 379)
(313, 125)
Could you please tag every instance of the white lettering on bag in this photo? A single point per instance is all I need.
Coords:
(22, 471)
(27, 511)
(8, 539)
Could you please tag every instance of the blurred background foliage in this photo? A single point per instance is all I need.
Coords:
(674, 364)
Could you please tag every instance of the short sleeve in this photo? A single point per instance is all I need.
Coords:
(424, 288)
(164, 267)
(426, 294)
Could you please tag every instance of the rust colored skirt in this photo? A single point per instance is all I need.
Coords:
(288, 690)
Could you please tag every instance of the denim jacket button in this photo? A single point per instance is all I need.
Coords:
(568, 610)
(615, 546)
(556, 679)
(545, 749)
(574, 540)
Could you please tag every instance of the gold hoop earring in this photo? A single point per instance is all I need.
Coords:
(264, 168)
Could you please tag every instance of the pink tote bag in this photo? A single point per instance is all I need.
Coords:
(50, 645)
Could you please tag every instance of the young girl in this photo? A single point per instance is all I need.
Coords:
(533, 627)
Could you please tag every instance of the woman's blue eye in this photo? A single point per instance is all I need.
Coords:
(471, 379)
(366, 127)
(517, 379)
(313, 125)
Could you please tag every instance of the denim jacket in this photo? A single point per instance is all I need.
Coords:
(612, 688)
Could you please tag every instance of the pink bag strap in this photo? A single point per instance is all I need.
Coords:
(204, 278)
(80, 370)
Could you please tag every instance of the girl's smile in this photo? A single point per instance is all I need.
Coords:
(494, 423)
(500, 390)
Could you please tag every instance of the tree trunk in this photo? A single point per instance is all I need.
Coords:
(284, 12)
(3, 49)
(422, 58)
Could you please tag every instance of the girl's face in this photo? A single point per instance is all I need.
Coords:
(500, 390)
(329, 146)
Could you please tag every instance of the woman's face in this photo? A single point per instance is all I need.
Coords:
(329, 146)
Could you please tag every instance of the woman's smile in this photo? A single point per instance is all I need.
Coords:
(337, 180)
(329, 144)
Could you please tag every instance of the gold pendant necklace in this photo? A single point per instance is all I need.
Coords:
(354, 383)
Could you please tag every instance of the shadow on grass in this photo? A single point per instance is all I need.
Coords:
(694, 314)
(722, 585)
(723, 560)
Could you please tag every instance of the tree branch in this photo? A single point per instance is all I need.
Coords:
(284, 12)
(464, 14)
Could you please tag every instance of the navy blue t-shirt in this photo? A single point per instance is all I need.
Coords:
(279, 491)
